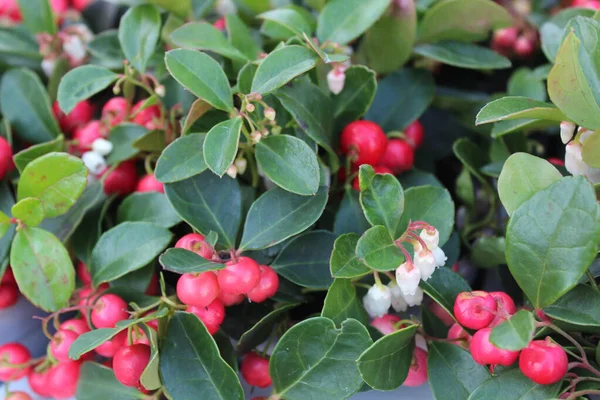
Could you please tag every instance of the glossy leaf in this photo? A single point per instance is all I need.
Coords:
(358, 94)
(515, 333)
(377, 249)
(344, 262)
(29, 210)
(552, 31)
(181, 160)
(240, 36)
(342, 303)
(443, 287)
(42, 268)
(305, 259)
(545, 255)
(125, 248)
(383, 202)
(82, 83)
(139, 31)
(463, 55)
(528, 83)
(106, 47)
(98, 382)
(204, 36)
(488, 252)
(26, 156)
(289, 21)
(471, 156)
(123, 136)
(221, 145)
(572, 307)
(148, 207)
(260, 332)
(513, 107)
(183, 261)
(315, 349)
(38, 16)
(350, 217)
(517, 385)
(290, 163)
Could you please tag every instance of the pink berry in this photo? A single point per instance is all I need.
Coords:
(115, 111)
(239, 276)
(506, 308)
(148, 117)
(79, 116)
(506, 37)
(524, 46)
(212, 315)
(59, 6)
(255, 370)
(9, 295)
(414, 134)
(86, 134)
(10, 10)
(267, 286)
(399, 156)
(130, 362)
(6, 160)
(229, 300)
(61, 343)
(148, 183)
(81, 5)
(38, 382)
(122, 180)
(484, 352)
(110, 347)
(108, 310)
(195, 242)
(475, 310)
(544, 362)
(63, 379)
(417, 374)
(220, 24)
(84, 273)
(198, 290)
(457, 332)
(77, 325)
(386, 324)
(14, 354)
(364, 142)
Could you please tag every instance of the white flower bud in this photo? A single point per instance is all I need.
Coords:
(414, 299)
(573, 159)
(224, 7)
(75, 49)
(241, 164)
(421, 342)
(160, 91)
(377, 301)
(102, 146)
(336, 79)
(432, 240)
(398, 302)
(94, 162)
(567, 129)
(270, 114)
(255, 137)
(232, 171)
(408, 277)
(440, 257)
(48, 66)
(424, 260)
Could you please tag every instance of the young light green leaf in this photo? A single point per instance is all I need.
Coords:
(180, 159)
(289, 21)
(184, 261)
(139, 31)
(342, 303)
(515, 333)
(29, 210)
(514, 107)
(82, 83)
(377, 249)
(590, 150)
(344, 262)
(5, 223)
(221, 145)
(204, 36)
(26, 156)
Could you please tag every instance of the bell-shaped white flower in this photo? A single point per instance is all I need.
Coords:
(48, 66)
(574, 160)
(102, 146)
(431, 239)
(440, 257)
(94, 162)
(398, 302)
(407, 278)
(424, 260)
(336, 80)
(414, 299)
(377, 301)
(567, 129)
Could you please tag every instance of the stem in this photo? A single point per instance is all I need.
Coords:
(172, 304)
(592, 280)
(575, 395)
(570, 338)
(585, 366)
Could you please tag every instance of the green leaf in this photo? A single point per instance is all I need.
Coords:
(184, 261)
(107, 49)
(278, 215)
(514, 107)
(383, 202)
(568, 87)
(452, 372)
(290, 163)
(281, 66)
(288, 21)
(431, 204)
(358, 94)
(82, 83)
(18, 48)
(29, 154)
(197, 110)
(350, 217)
(552, 31)
(201, 75)
(98, 382)
(57, 179)
(38, 16)
(148, 207)
(260, 332)
(572, 307)
(204, 36)
(125, 248)
(181, 160)
(342, 21)
(123, 136)
(471, 156)
(5, 224)
(305, 260)
(517, 385)
(522, 176)
(29, 210)
(465, 21)
(190, 363)
(199, 202)
(545, 254)
(344, 262)
(32, 120)
(221, 145)
(139, 31)
(316, 360)
(528, 83)
(393, 352)
(241, 37)
(591, 150)
(377, 249)
(181, 8)
(42, 268)
(395, 112)
(463, 55)
(443, 287)
(342, 303)
(6, 203)
(515, 333)
(488, 252)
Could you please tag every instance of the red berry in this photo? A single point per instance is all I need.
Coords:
(386, 324)
(267, 286)
(77, 325)
(10, 9)
(506, 307)
(379, 169)
(220, 24)
(138, 336)
(59, 6)
(81, 5)
(15, 354)
(38, 382)
(9, 295)
(129, 364)
(148, 183)
(524, 46)
(86, 134)
(115, 111)
(212, 315)
(108, 310)
(6, 161)
(484, 352)
(61, 343)
(63, 379)
(475, 310)
(231, 299)
(198, 290)
(364, 142)
(255, 370)
(457, 332)
(505, 38)
(110, 347)
(18, 396)
(148, 117)
(414, 134)
(8, 278)
(399, 156)
(417, 374)
(79, 116)
(441, 313)
(153, 288)
(122, 180)
(195, 242)
(84, 273)
(557, 162)
(544, 362)
(240, 276)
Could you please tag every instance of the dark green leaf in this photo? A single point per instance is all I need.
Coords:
(471, 156)
(488, 252)
(350, 217)
(139, 31)
(383, 202)
(38, 16)
(377, 249)
(29, 210)
(241, 37)
(463, 55)
(82, 83)
(18, 48)
(515, 333)
(148, 207)
(221, 145)
(344, 262)
(573, 307)
(122, 137)
(516, 385)
(204, 36)
(184, 261)
(6, 203)
(443, 287)
(181, 159)
(26, 156)
(260, 332)
(342, 303)
(98, 382)
(358, 94)
(107, 49)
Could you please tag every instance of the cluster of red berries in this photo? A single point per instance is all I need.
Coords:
(514, 41)
(364, 142)
(9, 9)
(542, 361)
(208, 293)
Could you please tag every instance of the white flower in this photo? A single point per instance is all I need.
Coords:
(336, 79)
(440, 257)
(408, 277)
(567, 129)
(414, 299)
(232, 171)
(224, 7)
(424, 260)
(48, 66)
(94, 162)
(573, 159)
(75, 49)
(398, 302)
(241, 164)
(421, 342)
(377, 301)
(102, 146)
(432, 240)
